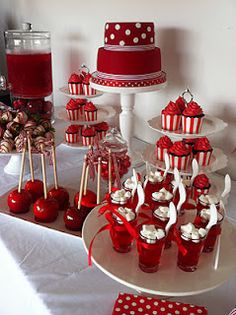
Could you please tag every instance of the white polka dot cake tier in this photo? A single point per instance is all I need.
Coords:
(129, 57)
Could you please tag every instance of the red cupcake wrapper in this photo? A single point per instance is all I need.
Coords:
(101, 134)
(161, 153)
(196, 192)
(72, 137)
(180, 162)
(73, 114)
(203, 158)
(76, 88)
(88, 90)
(81, 111)
(191, 124)
(170, 122)
(90, 116)
(88, 141)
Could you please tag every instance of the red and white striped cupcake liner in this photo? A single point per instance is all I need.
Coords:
(73, 114)
(170, 122)
(160, 152)
(76, 88)
(180, 162)
(81, 111)
(101, 135)
(196, 192)
(88, 140)
(191, 124)
(203, 158)
(88, 90)
(90, 115)
(72, 137)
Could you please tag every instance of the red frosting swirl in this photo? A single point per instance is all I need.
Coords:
(103, 126)
(171, 109)
(87, 78)
(80, 101)
(75, 78)
(181, 103)
(73, 129)
(179, 149)
(193, 109)
(202, 144)
(201, 181)
(90, 107)
(72, 104)
(189, 141)
(88, 132)
(164, 142)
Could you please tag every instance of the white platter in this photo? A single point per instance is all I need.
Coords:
(75, 145)
(218, 161)
(104, 113)
(210, 126)
(169, 280)
(64, 90)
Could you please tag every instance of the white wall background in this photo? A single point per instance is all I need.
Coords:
(197, 40)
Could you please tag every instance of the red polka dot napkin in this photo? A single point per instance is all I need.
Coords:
(129, 304)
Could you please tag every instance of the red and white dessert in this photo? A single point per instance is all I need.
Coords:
(171, 117)
(75, 84)
(73, 134)
(201, 186)
(6, 145)
(202, 151)
(61, 195)
(101, 130)
(90, 111)
(88, 136)
(73, 109)
(129, 57)
(192, 118)
(88, 90)
(181, 103)
(81, 102)
(46, 210)
(162, 147)
(179, 155)
(19, 202)
(35, 188)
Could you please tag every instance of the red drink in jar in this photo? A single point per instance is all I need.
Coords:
(205, 201)
(161, 198)
(150, 246)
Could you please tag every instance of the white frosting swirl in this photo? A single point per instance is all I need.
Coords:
(162, 195)
(209, 199)
(120, 196)
(155, 177)
(162, 212)
(130, 183)
(190, 232)
(127, 213)
(151, 233)
(205, 214)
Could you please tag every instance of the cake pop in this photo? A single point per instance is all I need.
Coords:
(19, 200)
(33, 186)
(58, 193)
(45, 208)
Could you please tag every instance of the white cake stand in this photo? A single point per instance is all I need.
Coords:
(127, 98)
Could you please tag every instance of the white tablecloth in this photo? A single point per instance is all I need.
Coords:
(45, 272)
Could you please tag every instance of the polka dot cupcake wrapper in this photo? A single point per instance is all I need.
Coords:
(128, 304)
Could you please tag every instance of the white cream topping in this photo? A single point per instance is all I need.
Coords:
(206, 214)
(155, 177)
(127, 213)
(150, 232)
(130, 183)
(162, 195)
(120, 195)
(190, 232)
(209, 199)
(162, 212)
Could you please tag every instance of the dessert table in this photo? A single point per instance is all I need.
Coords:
(45, 272)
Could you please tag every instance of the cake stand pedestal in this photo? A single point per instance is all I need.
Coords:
(126, 119)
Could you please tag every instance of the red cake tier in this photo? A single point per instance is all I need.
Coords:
(129, 35)
(129, 63)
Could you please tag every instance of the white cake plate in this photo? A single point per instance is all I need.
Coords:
(169, 280)
(127, 101)
(210, 126)
(75, 146)
(64, 90)
(218, 161)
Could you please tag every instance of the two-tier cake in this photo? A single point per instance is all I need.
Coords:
(129, 57)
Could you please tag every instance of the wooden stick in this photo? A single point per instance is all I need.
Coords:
(44, 173)
(54, 166)
(86, 180)
(99, 180)
(82, 181)
(30, 158)
(109, 171)
(22, 168)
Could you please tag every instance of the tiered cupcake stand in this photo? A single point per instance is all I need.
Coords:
(124, 267)
(104, 114)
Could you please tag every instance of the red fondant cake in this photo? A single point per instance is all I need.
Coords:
(129, 57)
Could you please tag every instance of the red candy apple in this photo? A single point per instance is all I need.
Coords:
(35, 188)
(88, 201)
(19, 202)
(74, 218)
(46, 210)
(61, 195)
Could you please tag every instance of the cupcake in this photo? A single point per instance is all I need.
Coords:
(81, 103)
(202, 151)
(90, 112)
(162, 147)
(171, 117)
(101, 130)
(75, 84)
(179, 155)
(88, 90)
(88, 136)
(201, 186)
(72, 109)
(192, 118)
(72, 134)
(181, 103)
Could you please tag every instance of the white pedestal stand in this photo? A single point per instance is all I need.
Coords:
(127, 102)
